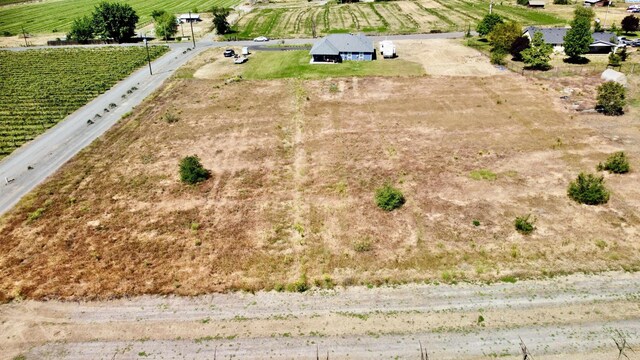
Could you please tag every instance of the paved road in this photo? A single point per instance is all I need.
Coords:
(50, 151)
(565, 318)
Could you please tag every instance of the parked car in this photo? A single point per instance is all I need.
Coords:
(635, 43)
(261, 39)
(229, 53)
(623, 40)
(241, 60)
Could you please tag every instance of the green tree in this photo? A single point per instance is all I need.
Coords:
(220, 22)
(578, 39)
(584, 13)
(115, 20)
(614, 59)
(155, 14)
(488, 23)
(503, 35)
(165, 26)
(597, 27)
(192, 171)
(611, 97)
(588, 189)
(539, 54)
(518, 46)
(630, 24)
(389, 198)
(81, 30)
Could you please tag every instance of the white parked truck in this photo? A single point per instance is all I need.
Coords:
(387, 49)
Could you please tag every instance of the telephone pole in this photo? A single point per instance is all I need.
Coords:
(490, 6)
(24, 34)
(192, 37)
(148, 57)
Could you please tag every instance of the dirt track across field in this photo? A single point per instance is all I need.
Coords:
(564, 318)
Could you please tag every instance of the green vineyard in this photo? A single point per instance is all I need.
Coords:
(39, 88)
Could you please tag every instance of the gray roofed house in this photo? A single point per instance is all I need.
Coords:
(342, 47)
(602, 41)
(537, 3)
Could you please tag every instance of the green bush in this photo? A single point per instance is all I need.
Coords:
(561, 2)
(614, 59)
(588, 189)
(524, 224)
(498, 57)
(611, 97)
(389, 198)
(616, 163)
(192, 171)
(299, 286)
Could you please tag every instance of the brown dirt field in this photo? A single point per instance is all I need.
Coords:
(446, 57)
(294, 168)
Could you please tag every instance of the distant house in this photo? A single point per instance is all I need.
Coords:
(337, 48)
(187, 18)
(603, 42)
(536, 3)
(596, 2)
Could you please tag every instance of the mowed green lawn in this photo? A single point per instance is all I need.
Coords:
(57, 15)
(265, 65)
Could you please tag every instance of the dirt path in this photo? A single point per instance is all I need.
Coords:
(564, 318)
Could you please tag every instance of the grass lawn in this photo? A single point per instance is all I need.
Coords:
(295, 64)
(57, 16)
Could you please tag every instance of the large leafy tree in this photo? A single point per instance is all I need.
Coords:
(539, 54)
(578, 39)
(503, 35)
(81, 30)
(115, 20)
(518, 46)
(584, 12)
(630, 24)
(220, 22)
(611, 96)
(488, 23)
(165, 25)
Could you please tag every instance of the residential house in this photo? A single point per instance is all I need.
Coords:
(337, 48)
(596, 2)
(603, 42)
(536, 4)
(187, 18)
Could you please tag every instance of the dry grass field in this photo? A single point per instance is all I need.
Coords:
(295, 164)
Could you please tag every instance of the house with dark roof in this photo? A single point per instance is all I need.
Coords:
(603, 42)
(536, 3)
(596, 2)
(337, 48)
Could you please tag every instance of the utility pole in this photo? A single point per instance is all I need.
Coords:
(604, 25)
(24, 34)
(148, 57)
(192, 37)
(490, 6)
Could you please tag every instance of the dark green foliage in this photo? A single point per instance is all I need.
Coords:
(81, 30)
(503, 35)
(520, 44)
(582, 12)
(611, 97)
(155, 14)
(597, 27)
(623, 54)
(524, 224)
(389, 198)
(498, 57)
(630, 24)
(616, 163)
(220, 20)
(538, 55)
(165, 25)
(523, 2)
(588, 189)
(299, 286)
(192, 171)
(578, 39)
(614, 59)
(561, 2)
(115, 20)
(488, 23)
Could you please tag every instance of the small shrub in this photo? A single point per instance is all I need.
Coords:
(170, 118)
(524, 224)
(389, 198)
(362, 245)
(616, 163)
(509, 279)
(192, 171)
(498, 57)
(561, 2)
(611, 98)
(33, 216)
(601, 244)
(614, 59)
(299, 286)
(333, 88)
(483, 174)
(476, 223)
(588, 189)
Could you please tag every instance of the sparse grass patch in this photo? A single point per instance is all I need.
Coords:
(601, 244)
(363, 245)
(483, 174)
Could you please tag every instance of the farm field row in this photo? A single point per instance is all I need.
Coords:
(39, 88)
(52, 16)
(396, 17)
